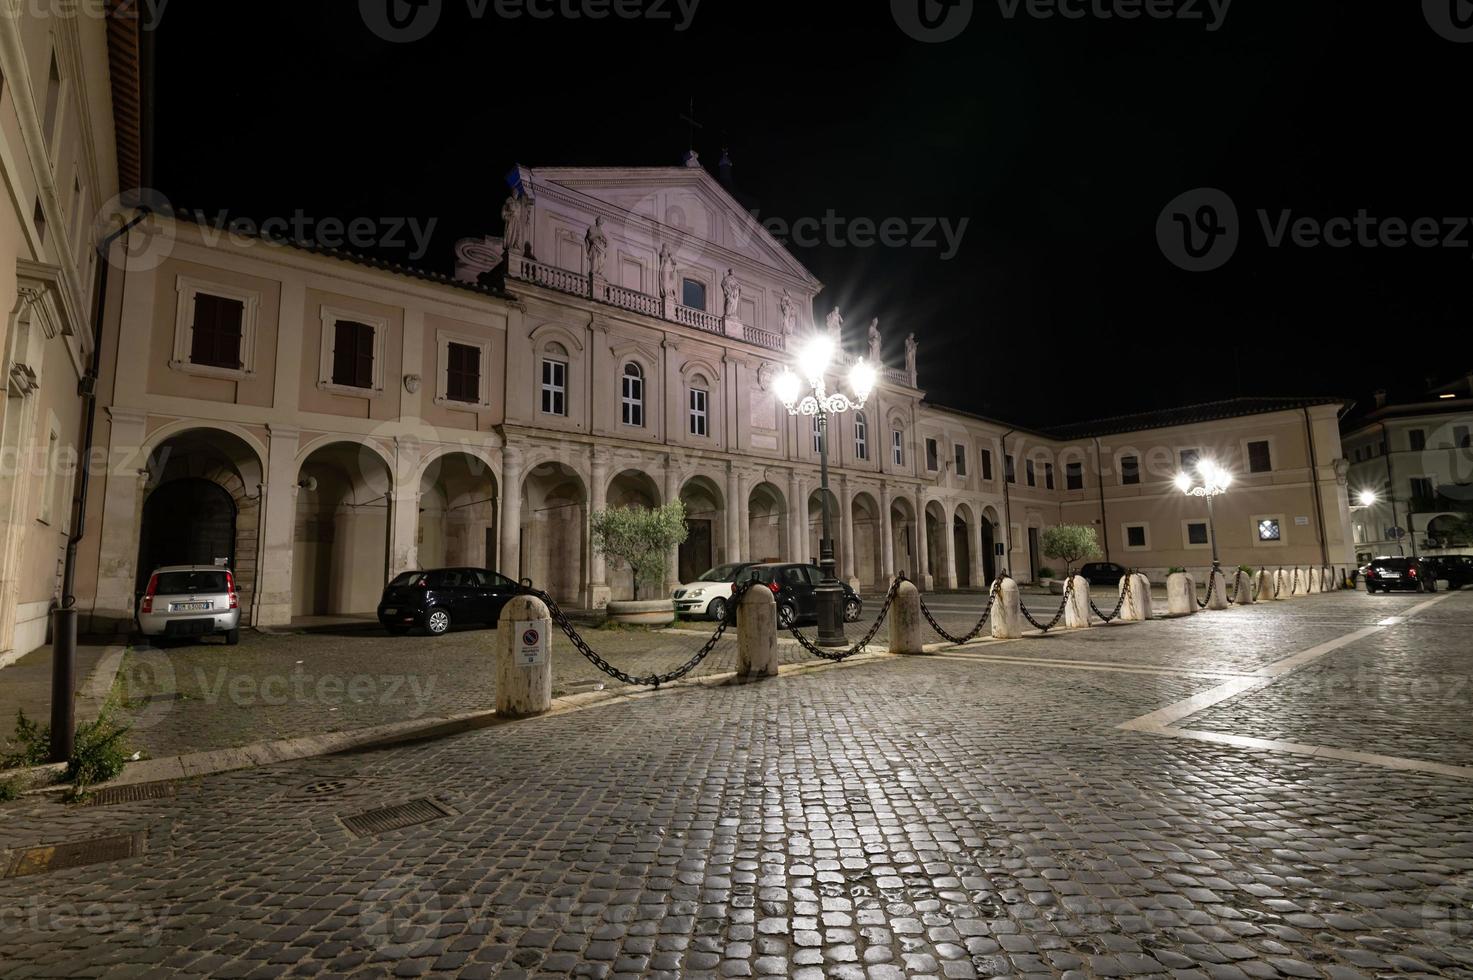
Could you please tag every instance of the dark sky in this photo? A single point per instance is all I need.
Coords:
(1059, 141)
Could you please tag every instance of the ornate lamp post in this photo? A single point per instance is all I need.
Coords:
(813, 365)
(1370, 498)
(1214, 482)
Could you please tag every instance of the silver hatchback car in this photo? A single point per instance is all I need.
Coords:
(190, 600)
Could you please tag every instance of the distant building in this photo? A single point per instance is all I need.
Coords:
(1415, 454)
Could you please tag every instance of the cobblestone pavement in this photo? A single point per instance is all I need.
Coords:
(926, 816)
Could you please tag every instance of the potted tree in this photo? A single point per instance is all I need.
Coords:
(640, 539)
(1070, 543)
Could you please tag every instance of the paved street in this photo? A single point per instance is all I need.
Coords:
(978, 813)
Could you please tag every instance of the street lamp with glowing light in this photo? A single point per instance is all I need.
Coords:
(1209, 481)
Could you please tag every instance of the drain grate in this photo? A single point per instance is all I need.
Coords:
(131, 794)
(385, 819)
(327, 787)
(75, 854)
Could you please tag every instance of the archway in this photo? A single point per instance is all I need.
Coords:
(554, 536)
(867, 546)
(989, 545)
(340, 554)
(458, 508)
(903, 537)
(630, 488)
(705, 519)
(961, 544)
(767, 524)
(815, 526)
(938, 545)
(203, 507)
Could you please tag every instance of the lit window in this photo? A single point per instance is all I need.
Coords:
(1269, 530)
(699, 416)
(632, 396)
(554, 387)
(861, 437)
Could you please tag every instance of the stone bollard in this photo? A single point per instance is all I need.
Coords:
(1130, 607)
(1283, 585)
(1181, 594)
(1301, 581)
(1144, 604)
(1007, 612)
(1245, 584)
(524, 658)
(1314, 581)
(1076, 611)
(756, 625)
(905, 620)
(1217, 591)
(1263, 586)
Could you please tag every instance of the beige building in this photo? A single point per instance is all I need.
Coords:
(320, 423)
(61, 67)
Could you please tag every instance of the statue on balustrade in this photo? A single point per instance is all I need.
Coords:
(597, 244)
(835, 322)
(788, 311)
(732, 290)
(667, 274)
(516, 216)
(875, 341)
(910, 357)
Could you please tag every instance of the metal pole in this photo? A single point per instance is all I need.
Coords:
(1212, 531)
(830, 595)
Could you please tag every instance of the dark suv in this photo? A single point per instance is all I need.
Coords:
(1455, 570)
(1399, 574)
(436, 598)
(796, 589)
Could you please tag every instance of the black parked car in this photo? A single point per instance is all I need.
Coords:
(1456, 570)
(436, 598)
(1103, 573)
(1399, 574)
(796, 589)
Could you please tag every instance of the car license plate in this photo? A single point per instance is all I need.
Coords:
(190, 606)
(1391, 574)
(391, 612)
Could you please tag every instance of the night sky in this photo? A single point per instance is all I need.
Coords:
(1059, 141)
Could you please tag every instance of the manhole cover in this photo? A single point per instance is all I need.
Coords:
(327, 787)
(385, 819)
(75, 854)
(131, 794)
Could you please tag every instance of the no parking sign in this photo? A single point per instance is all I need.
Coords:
(531, 644)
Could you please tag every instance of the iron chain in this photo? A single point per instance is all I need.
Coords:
(1068, 594)
(976, 630)
(838, 656)
(1120, 603)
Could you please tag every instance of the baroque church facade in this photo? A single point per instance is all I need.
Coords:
(321, 422)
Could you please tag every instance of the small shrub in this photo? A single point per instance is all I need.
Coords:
(9, 791)
(99, 754)
(1245, 568)
(1046, 573)
(32, 741)
(1176, 570)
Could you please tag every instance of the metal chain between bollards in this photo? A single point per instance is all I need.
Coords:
(976, 630)
(1237, 584)
(654, 680)
(1202, 603)
(838, 656)
(1068, 594)
(1278, 581)
(1119, 604)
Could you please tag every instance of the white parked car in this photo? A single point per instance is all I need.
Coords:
(710, 594)
(190, 600)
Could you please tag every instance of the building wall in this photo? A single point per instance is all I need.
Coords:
(1384, 460)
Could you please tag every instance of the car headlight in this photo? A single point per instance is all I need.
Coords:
(695, 593)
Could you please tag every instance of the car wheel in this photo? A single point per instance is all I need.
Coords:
(786, 615)
(437, 623)
(232, 637)
(717, 610)
(853, 609)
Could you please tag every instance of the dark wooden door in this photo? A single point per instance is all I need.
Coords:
(695, 555)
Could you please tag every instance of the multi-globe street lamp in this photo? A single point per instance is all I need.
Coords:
(1370, 498)
(814, 361)
(1211, 481)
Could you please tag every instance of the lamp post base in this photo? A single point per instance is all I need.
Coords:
(831, 615)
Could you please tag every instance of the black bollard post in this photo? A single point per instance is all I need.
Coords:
(63, 683)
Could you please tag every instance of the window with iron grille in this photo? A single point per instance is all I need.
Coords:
(462, 373)
(1269, 530)
(1135, 536)
(216, 333)
(1260, 457)
(554, 387)
(352, 354)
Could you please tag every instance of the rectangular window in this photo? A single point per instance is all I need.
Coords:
(1197, 533)
(463, 373)
(987, 464)
(1269, 530)
(961, 460)
(897, 445)
(693, 294)
(1029, 476)
(1048, 476)
(554, 387)
(216, 332)
(861, 437)
(1422, 488)
(817, 436)
(1418, 439)
(1260, 457)
(1130, 470)
(1135, 536)
(699, 413)
(1461, 438)
(352, 355)
(933, 456)
(1074, 476)
(1009, 470)
(631, 397)
(1189, 460)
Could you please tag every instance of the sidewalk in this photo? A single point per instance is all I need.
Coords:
(26, 684)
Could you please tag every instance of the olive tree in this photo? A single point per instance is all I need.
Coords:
(1070, 543)
(639, 538)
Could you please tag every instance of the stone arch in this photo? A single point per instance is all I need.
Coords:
(904, 540)
(767, 523)
(554, 532)
(340, 549)
(705, 518)
(938, 544)
(990, 538)
(629, 488)
(867, 545)
(459, 504)
(962, 524)
(197, 469)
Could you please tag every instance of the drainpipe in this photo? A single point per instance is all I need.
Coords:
(1391, 489)
(1100, 477)
(1314, 478)
(64, 618)
(1007, 507)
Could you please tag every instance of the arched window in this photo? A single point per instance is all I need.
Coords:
(699, 394)
(861, 437)
(632, 395)
(555, 380)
